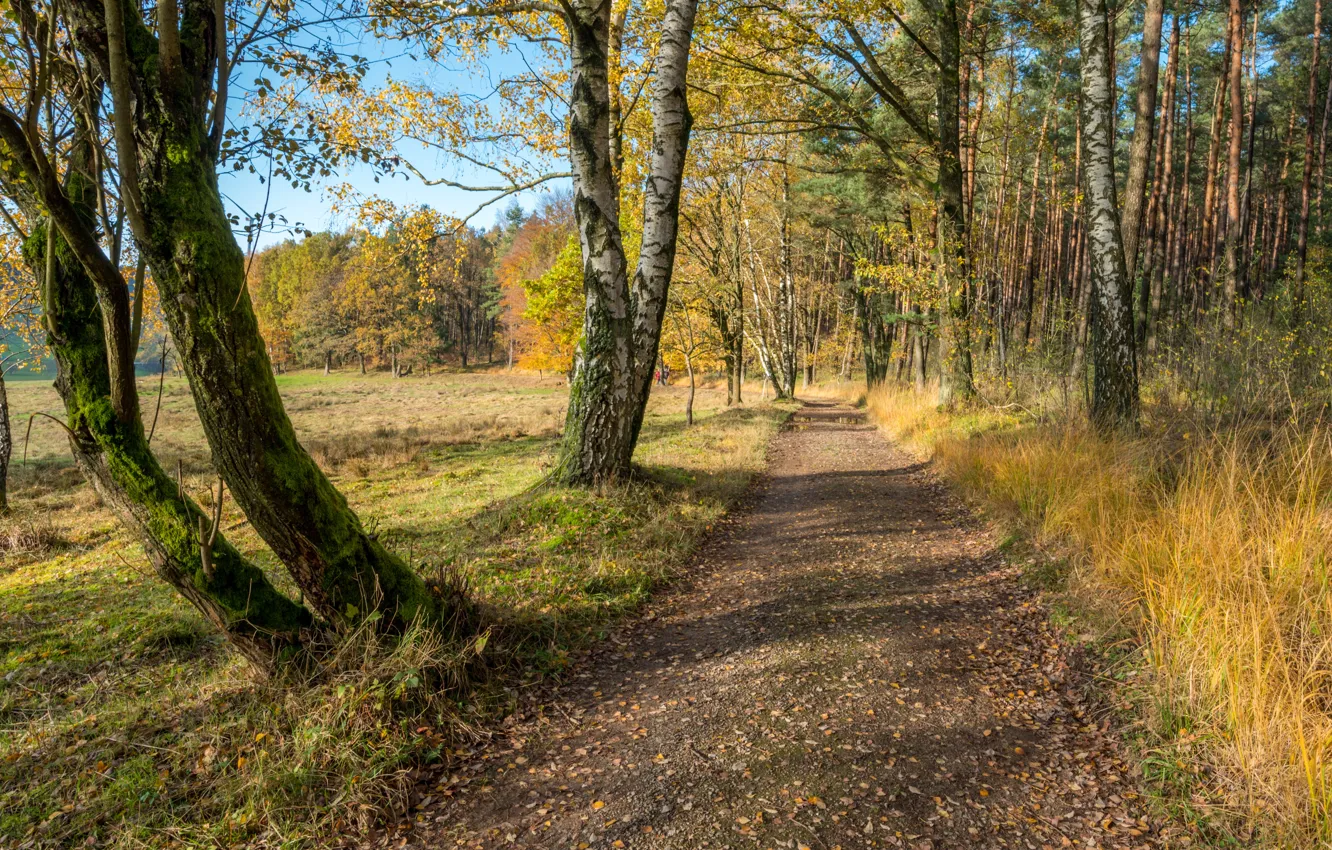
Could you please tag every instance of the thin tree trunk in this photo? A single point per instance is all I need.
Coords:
(1159, 207)
(1144, 131)
(6, 444)
(1306, 183)
(689, 401)
(1283, 198)
(785, 307)
(1180, 221)
(1322, 154)
(1029, 272)
(1247, 221)
(1234, 272)
(1207, 234)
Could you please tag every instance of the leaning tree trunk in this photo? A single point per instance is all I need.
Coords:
(232, 593)
(180, 224)
(181, 542)
(344, 572)
(671, 124)
(1114, 400)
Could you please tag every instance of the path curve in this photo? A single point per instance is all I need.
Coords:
(852, 664)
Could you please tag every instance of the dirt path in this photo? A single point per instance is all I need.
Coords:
(853, 665)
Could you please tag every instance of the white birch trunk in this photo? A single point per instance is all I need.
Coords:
(1114, 401)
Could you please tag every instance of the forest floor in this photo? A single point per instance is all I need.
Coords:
(851, 662)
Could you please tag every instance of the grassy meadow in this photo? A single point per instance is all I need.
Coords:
(1197, 561)
(126, 722)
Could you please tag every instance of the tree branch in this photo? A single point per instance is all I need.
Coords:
(122, 115)
(912, 35)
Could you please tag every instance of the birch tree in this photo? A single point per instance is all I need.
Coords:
(625, 306)
(1114, 396)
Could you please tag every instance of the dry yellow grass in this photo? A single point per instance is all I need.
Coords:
(1212, 549)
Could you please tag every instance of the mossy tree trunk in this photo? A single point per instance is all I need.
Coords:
(162, 94)
(113, 454)
(232, 593)
(598, 430)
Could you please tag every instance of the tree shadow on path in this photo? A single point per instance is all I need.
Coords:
(851, 663)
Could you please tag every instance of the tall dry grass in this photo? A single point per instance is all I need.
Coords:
(1212, 549)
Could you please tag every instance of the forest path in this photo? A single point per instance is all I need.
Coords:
(851, 663)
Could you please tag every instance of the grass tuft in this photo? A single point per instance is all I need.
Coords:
(29, 536)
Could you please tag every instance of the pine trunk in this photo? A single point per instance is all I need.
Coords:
(1144, 131)
(1234, 271)
(953, 267)
(1306, 183)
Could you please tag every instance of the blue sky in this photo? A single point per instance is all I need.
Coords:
(314, 209)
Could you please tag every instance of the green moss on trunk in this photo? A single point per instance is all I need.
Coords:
(200, 270)
(115, 457)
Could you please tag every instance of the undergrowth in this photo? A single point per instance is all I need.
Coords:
(1205, 554)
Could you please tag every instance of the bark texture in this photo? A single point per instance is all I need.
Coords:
(1306, 183)
(621, 326)
(1114, 397)
(182, 228)
(953, 269)
(113, 454)
(1234, 272)
(598, 427)
(1144, 125)
(232, 593)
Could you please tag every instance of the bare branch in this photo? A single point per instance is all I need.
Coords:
(508, 189)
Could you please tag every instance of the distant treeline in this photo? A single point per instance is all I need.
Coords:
(408, 290)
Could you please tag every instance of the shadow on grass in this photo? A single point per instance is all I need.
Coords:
(552, 566)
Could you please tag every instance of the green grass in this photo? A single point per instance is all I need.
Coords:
(124, 717)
